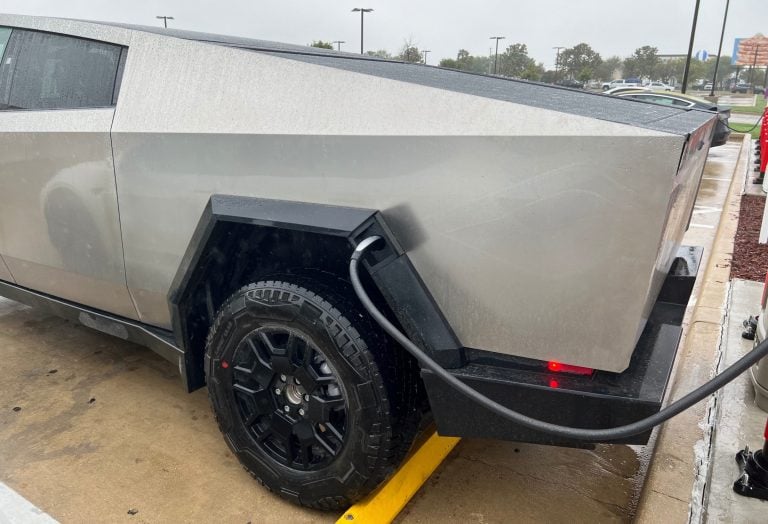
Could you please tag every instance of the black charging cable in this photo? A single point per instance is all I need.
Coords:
(563, 432)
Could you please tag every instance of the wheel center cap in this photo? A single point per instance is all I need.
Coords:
(294, 394)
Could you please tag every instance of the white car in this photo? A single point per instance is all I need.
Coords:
(621, 82)
(659, 86)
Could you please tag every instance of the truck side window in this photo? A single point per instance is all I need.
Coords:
(49, 71)
(5, 34)
(5, 70)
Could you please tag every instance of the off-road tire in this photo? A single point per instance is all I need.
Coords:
(381, 390)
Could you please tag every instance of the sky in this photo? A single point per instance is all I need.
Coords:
(611, 27)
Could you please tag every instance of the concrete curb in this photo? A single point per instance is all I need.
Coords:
(15, 509)
(736, 419)
(673, 471)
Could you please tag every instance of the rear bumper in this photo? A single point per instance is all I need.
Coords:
(600, 400)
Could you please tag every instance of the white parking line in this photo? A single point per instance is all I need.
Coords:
(15, 509)
(716, 178)
(705, 226)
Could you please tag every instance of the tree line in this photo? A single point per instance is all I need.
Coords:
(579, 62)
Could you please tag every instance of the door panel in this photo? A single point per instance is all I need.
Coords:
(59, 223)
(58, 206)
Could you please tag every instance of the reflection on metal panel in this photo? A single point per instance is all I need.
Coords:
(522, 252)
(57, 189)
(529, 226)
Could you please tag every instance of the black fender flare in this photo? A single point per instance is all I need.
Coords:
(236, 232)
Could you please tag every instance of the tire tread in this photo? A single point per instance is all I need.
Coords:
(389, 439)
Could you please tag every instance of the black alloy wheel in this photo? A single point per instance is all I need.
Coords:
(288, 397)
(310, 395)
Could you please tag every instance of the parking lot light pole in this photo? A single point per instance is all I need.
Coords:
(362, 11)
(557, 61)
(720, 49)
(165, 20)
(496, 60)
(338, 44)
(690, 48)
(752, 69)
(425, 51)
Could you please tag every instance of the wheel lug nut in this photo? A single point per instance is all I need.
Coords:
(283, 378)
(306, 398)
(301, 412)
(277, 391)
(287, 409)
(297, 381)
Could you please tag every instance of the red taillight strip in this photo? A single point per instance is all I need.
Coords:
(559, 367)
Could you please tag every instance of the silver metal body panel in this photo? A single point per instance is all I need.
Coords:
(58, 206)
(540, 233)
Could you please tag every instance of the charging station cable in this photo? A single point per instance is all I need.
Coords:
(564, 432)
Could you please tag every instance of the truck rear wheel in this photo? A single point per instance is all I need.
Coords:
(304, 391)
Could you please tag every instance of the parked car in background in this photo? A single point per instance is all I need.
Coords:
(622, 82)
(570, 82)
(659, 86)
(741, 88)
(722, 131)
(708, 86)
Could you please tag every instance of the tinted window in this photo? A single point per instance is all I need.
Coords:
(5, 34)
(47, 71)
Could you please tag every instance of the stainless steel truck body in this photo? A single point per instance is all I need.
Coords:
(147, 174)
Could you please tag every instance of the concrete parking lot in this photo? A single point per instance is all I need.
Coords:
(96, 429)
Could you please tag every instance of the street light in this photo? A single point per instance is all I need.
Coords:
(557, 61)
(425, 51)
(165, 20)
(362, 11)
(720, 49)
(496, 60)
(338, 44)
(690, 48)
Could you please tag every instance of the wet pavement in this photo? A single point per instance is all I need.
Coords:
(104, 432)
(104, 427)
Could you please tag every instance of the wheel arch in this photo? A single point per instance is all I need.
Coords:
(239, 239)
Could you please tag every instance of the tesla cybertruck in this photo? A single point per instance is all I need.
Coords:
(202, 195)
